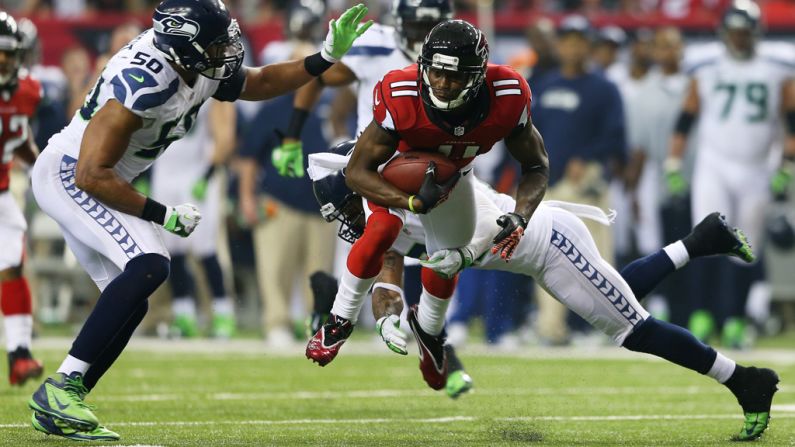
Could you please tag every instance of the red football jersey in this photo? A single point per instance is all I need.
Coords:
(398, 106)
(16, 110)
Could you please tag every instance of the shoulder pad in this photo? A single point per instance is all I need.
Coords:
(511, 96)
(396, 98)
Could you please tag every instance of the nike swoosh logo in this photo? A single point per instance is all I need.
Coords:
(137, 78)
(59, 404)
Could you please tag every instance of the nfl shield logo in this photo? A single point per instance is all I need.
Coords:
(458, 131)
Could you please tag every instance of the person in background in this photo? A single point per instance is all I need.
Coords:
(186, 172)
(574, 97)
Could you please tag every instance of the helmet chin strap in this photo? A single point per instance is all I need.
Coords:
(445, 105)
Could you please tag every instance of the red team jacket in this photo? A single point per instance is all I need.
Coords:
(398, 107)
(16, 111)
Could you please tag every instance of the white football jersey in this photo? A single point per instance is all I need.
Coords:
(141, 79)
(739, 120)
(372, 56)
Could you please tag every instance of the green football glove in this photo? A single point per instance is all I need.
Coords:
(343, 31)
(779, 184)
(288, 159)
(674, 179)
(199, 189)
(182, 219)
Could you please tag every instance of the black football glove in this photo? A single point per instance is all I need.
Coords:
(324, 289)
(508, 238)
(431, 193)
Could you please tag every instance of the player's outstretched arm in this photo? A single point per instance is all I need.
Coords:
(673, 164)
(388, 302)
(277, 79)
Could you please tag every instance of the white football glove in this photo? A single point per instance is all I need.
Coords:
(447, 263)
(182, 219)
(388, 328)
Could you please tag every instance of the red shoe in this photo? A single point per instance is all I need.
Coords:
(327, 341)
(433, 359)
(22, 366)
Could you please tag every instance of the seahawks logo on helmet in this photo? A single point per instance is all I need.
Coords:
(177, 26)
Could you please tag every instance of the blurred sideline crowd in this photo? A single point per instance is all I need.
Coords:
(605, 100)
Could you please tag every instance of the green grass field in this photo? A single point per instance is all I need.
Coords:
(199, 394)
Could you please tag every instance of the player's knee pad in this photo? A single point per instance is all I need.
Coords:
(151, 268)
(436, 285)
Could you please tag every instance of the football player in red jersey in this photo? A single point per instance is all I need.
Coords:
(19, 97)
(455, 103)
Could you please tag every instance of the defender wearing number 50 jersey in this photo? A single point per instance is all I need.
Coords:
(147, 96)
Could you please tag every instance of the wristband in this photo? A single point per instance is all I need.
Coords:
(411, 204)
(672, 164)
(154, 211)
(316, 64)
(388, 286)
(297, 120)
(685, 122)
(790, 120)
(209, 172)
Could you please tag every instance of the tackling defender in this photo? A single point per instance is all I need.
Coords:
(456, 104)
(146, 97)
(19, 97)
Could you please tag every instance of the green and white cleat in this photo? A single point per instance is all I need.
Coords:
(61, 397)
(458, 383)
(224, 326)
(185, 326)
(56, 427)
(756, 398)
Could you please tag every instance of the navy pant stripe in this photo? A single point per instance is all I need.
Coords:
(96, 210)
(605, 287)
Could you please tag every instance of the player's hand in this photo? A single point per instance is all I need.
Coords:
(431, 193)
(288, 159)
(508, 238)
(674, 179)
(447, 263)
(779, 184)
(182, 219)
(343, 31)
(388, 328)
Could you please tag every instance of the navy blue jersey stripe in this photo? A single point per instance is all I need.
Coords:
(152, 100)
(365, 50)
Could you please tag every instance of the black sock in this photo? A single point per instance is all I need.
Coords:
(112, 352)
(215, 277)
(117, 303)
(644, 274)
(181, 280)
(672, 343)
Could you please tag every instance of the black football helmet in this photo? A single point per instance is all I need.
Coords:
(304, 19)
(415, 19)
(29, 43)
(338, 202)
(741, 27)
(454, 45)
(199, 36)
(10, 47)
(780, 230)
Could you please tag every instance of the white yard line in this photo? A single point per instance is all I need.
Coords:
(437, 420)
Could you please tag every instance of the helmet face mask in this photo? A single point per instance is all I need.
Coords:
(415, 19)
(452, 66)
(10, 49)
(338, 202)
(198, 36)
(740, 28)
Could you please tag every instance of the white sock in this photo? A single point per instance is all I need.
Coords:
(678, 254)
(350, 296)
(19, 330)
(722, 369)
(431, 313)
(184, 306)
(223, 306)
(72, 364)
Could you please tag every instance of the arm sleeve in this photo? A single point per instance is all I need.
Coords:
(231, 88)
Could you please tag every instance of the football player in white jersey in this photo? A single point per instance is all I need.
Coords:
(186, 173)
(559, 252)
(741, 98)
(147, 96)
(379, 51)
